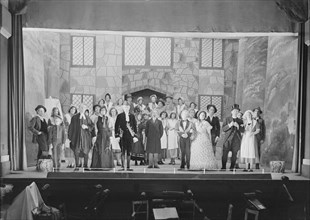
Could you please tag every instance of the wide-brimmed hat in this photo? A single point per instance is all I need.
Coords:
(235, 106)
(140, 98)
(96, 105)
(128, 96)
(259, 110)
(169, 97)
(40, 106)
(193, 103)
(210, 105)
(153, 96)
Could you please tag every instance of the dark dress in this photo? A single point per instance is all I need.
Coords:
(153, 132)
(102, 153)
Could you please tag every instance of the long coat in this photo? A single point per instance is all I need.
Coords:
(153, 133)
(230, 132)
(74, 131)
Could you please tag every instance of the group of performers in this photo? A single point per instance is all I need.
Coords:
(152, 133)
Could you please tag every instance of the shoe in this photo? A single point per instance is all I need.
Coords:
(170, 163)
(118, 164)
(142, 163)
(245, 170)
(150, 166)
(76, 169)
(160, 162)
(223, 169)
(250, 170)
(129, 169)
(156, 166)
(122, 169)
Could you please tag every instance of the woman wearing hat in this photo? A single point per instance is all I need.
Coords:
(38, 126)
(140, 104)
(215, 123)
(152, 105)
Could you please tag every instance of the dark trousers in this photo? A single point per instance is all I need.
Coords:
(233, 145)
(185, 152)
(42, 142)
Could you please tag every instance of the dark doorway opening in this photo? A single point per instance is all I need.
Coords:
(146, 93)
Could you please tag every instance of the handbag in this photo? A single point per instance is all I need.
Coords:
(45, 212)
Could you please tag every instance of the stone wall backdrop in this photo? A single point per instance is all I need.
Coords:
(281, 99)
(41, 59)
(104, 77)
(257, 71)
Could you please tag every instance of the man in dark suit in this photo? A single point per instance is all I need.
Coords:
(38, 126)
(185, 128)
(126, 130)
(233, 127)
(214, 121)
(260, 137)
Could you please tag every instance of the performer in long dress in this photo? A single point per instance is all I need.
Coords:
(233, 127)
(202, 155)
(248, 149)
(164, 138)
(126, 129)
(172, 138)
(138, 148)
(94, 119)
(102, 153)
(153, 133)
(67, 120)
(260, 137)
(38, 126)
(185, 128)
(214, 121)
(79, 134)
(115, 142)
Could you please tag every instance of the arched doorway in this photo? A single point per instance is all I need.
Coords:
(146, 93)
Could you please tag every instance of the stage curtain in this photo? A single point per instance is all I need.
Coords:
(16, 84)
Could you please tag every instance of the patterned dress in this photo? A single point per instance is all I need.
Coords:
(202, 155)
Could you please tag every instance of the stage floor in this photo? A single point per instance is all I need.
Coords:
(141, 171)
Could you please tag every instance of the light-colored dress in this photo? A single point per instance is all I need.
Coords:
(248, 148)
(164, 138)
(202, 155)
(172, 138)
